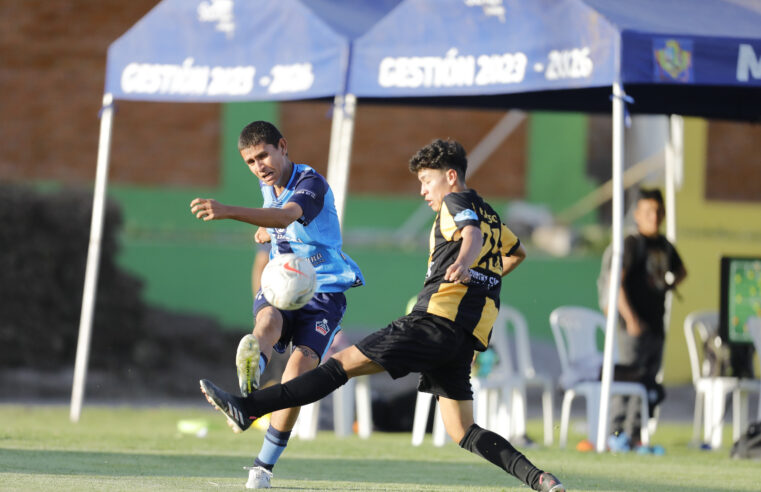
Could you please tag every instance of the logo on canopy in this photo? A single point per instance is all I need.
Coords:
(673, 59)
(494, 8)
(219, 11)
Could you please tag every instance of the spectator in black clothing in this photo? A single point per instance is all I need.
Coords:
(651, 267)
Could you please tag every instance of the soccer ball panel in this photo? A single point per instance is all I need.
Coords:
(288, 281)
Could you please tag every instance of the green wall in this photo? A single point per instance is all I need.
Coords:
(189, 265)
(557, 160)
(205, 268)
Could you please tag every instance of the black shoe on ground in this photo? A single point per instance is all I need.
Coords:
(550, 483)
(237, 418)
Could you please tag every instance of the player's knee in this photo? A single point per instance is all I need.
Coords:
(457, 428)
(269, 323)
(355, 363)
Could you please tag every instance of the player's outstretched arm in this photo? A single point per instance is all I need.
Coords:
(510, 263)
(208, 209)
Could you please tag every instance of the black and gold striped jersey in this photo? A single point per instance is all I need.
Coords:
(472, 306)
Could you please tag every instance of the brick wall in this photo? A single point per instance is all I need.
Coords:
(51, 83)
(385, 137)
(733, 162)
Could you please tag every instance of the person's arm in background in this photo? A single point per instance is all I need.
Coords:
(261, 259)
(631, 319)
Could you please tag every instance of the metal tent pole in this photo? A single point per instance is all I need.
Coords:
(615, 264)
(339, 158)
(341, 136)
(674, 166)
(93, 258)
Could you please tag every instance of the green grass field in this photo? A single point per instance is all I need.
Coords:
(119, 448)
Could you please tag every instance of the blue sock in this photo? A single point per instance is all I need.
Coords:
(273, 446)
(262, 363)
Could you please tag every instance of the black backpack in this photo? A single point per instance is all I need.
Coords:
(749, 444)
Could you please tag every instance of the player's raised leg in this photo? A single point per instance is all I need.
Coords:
(255, 349)
(247, 364)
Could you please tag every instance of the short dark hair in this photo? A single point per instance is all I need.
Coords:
(651, 194)
(441, 154)
(259, 132)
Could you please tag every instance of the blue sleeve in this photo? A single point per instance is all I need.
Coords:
(309, 194)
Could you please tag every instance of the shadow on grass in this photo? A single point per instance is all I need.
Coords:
(359, 470)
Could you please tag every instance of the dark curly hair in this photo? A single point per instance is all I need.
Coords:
(259, 132)
(441, 154)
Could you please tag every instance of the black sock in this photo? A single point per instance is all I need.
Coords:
(497, 450)
(307, 388)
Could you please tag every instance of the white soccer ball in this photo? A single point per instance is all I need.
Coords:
(288, 281)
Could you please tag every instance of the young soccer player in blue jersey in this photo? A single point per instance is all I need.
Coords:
(298, 216)
(470, 251)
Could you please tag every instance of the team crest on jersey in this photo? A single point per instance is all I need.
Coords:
(322, 327)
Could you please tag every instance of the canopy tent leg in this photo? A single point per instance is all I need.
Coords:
(674, 168)
(615, 264)
(93, 258)
(673, 177)
(339, 158)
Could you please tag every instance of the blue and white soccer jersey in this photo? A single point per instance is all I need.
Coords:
(315, 235)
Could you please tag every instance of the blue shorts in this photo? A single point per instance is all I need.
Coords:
(314, 325)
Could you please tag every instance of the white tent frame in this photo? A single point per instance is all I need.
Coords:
(342, 129)
(341, 135)
(338, 173)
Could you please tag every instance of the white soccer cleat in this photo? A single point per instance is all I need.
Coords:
(247, 364)
(258, 477)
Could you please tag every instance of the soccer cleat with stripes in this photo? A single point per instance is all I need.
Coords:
(247, 364)
(237, 417)
(550, 483)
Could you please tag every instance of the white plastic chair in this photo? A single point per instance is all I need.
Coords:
(493, 398)
(575, 329)
(510, 318)
(711, 392)
(499, 400)
(492, 402)
(422, 408)
(355, 391)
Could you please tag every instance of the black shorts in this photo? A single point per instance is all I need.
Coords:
(433, 346)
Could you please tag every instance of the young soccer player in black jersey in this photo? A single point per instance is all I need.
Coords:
(470, 251)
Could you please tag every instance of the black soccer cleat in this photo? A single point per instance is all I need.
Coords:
(550, 483)
(237, 417)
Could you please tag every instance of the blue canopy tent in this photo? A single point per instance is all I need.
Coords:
(219, 51)
(700, 58)
(694, 58)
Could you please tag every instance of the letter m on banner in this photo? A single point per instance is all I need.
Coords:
(748, 64)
